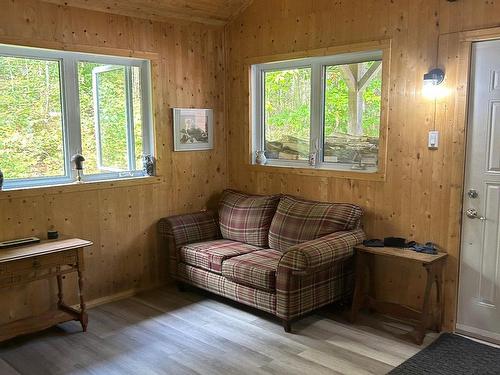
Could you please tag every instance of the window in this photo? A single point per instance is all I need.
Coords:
(321, 112)
(54, 104)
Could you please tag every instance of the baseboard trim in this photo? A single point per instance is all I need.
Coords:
(119, 296)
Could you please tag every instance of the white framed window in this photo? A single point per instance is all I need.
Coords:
(319, 112)
(54, 104)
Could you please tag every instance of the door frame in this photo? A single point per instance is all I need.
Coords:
(455, 53)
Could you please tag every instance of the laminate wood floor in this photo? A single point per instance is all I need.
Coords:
(168, 332)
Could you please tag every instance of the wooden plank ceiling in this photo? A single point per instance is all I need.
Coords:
(215, 12)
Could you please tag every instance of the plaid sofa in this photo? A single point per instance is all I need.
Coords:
(280, 254)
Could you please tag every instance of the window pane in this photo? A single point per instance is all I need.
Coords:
(352, 114)
(287, 111)
(111, 117)
(103, 117)
(111, 106)
(31, 133)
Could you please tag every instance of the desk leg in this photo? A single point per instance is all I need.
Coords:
(60, 295)
(359, 294)
(83, 313)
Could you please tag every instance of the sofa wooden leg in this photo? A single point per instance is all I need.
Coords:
(287, 326)
(346, 301)
(181, 287)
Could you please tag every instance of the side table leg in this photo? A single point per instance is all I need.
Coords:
(440, 297)
(424, 319)
(83, 313)
(373, 282)
(358, 297)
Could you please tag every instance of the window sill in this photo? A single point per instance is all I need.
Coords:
(319, 172)
(74, 187)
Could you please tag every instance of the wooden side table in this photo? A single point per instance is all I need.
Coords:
(44, 260)
(434, 266)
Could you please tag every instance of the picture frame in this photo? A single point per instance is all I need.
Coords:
(193, 129)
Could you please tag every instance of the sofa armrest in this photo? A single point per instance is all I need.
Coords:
(321, 252)
(190, 228)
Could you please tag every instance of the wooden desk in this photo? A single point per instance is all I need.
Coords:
(434, 266)
(44, 260)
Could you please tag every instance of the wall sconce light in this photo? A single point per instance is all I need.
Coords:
(432, 82)
(434, 77)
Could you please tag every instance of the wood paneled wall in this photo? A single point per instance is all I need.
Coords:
(420, 197)
(120, 218)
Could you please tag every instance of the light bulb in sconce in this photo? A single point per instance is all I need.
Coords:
(433, 87)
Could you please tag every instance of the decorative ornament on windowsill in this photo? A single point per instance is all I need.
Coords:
(260, 157)
(78, 160)
(359, 160)
(313, 156)
(149, 165)
(313, 159)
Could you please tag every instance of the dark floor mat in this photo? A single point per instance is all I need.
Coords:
(452, 355)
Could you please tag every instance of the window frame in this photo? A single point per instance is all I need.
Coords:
(70, 110)
(318, 60)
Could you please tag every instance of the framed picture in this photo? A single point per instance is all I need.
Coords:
(193, 129)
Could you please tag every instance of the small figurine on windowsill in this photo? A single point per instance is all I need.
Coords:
(149, 165)
(260, 157)
(359, 160)
(78, 160)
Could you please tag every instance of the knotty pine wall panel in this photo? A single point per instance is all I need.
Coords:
(417, 200)
(120, 218)
(420, 197)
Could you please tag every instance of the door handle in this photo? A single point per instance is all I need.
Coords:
(472, 214)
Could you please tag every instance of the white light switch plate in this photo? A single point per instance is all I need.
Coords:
(433, 139)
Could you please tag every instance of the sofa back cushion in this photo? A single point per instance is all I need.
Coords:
(297, 221)
(246, 218)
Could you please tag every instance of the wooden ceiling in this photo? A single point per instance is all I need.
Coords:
(214, 12)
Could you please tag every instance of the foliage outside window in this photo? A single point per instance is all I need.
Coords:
(322, 112)
(287, 111)
(54, 104)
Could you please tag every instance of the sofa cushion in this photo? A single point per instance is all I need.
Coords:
(246, 218)
(297, 221)
(210, 255)
(256, 269)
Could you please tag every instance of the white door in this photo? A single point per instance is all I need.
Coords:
(479, 295)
